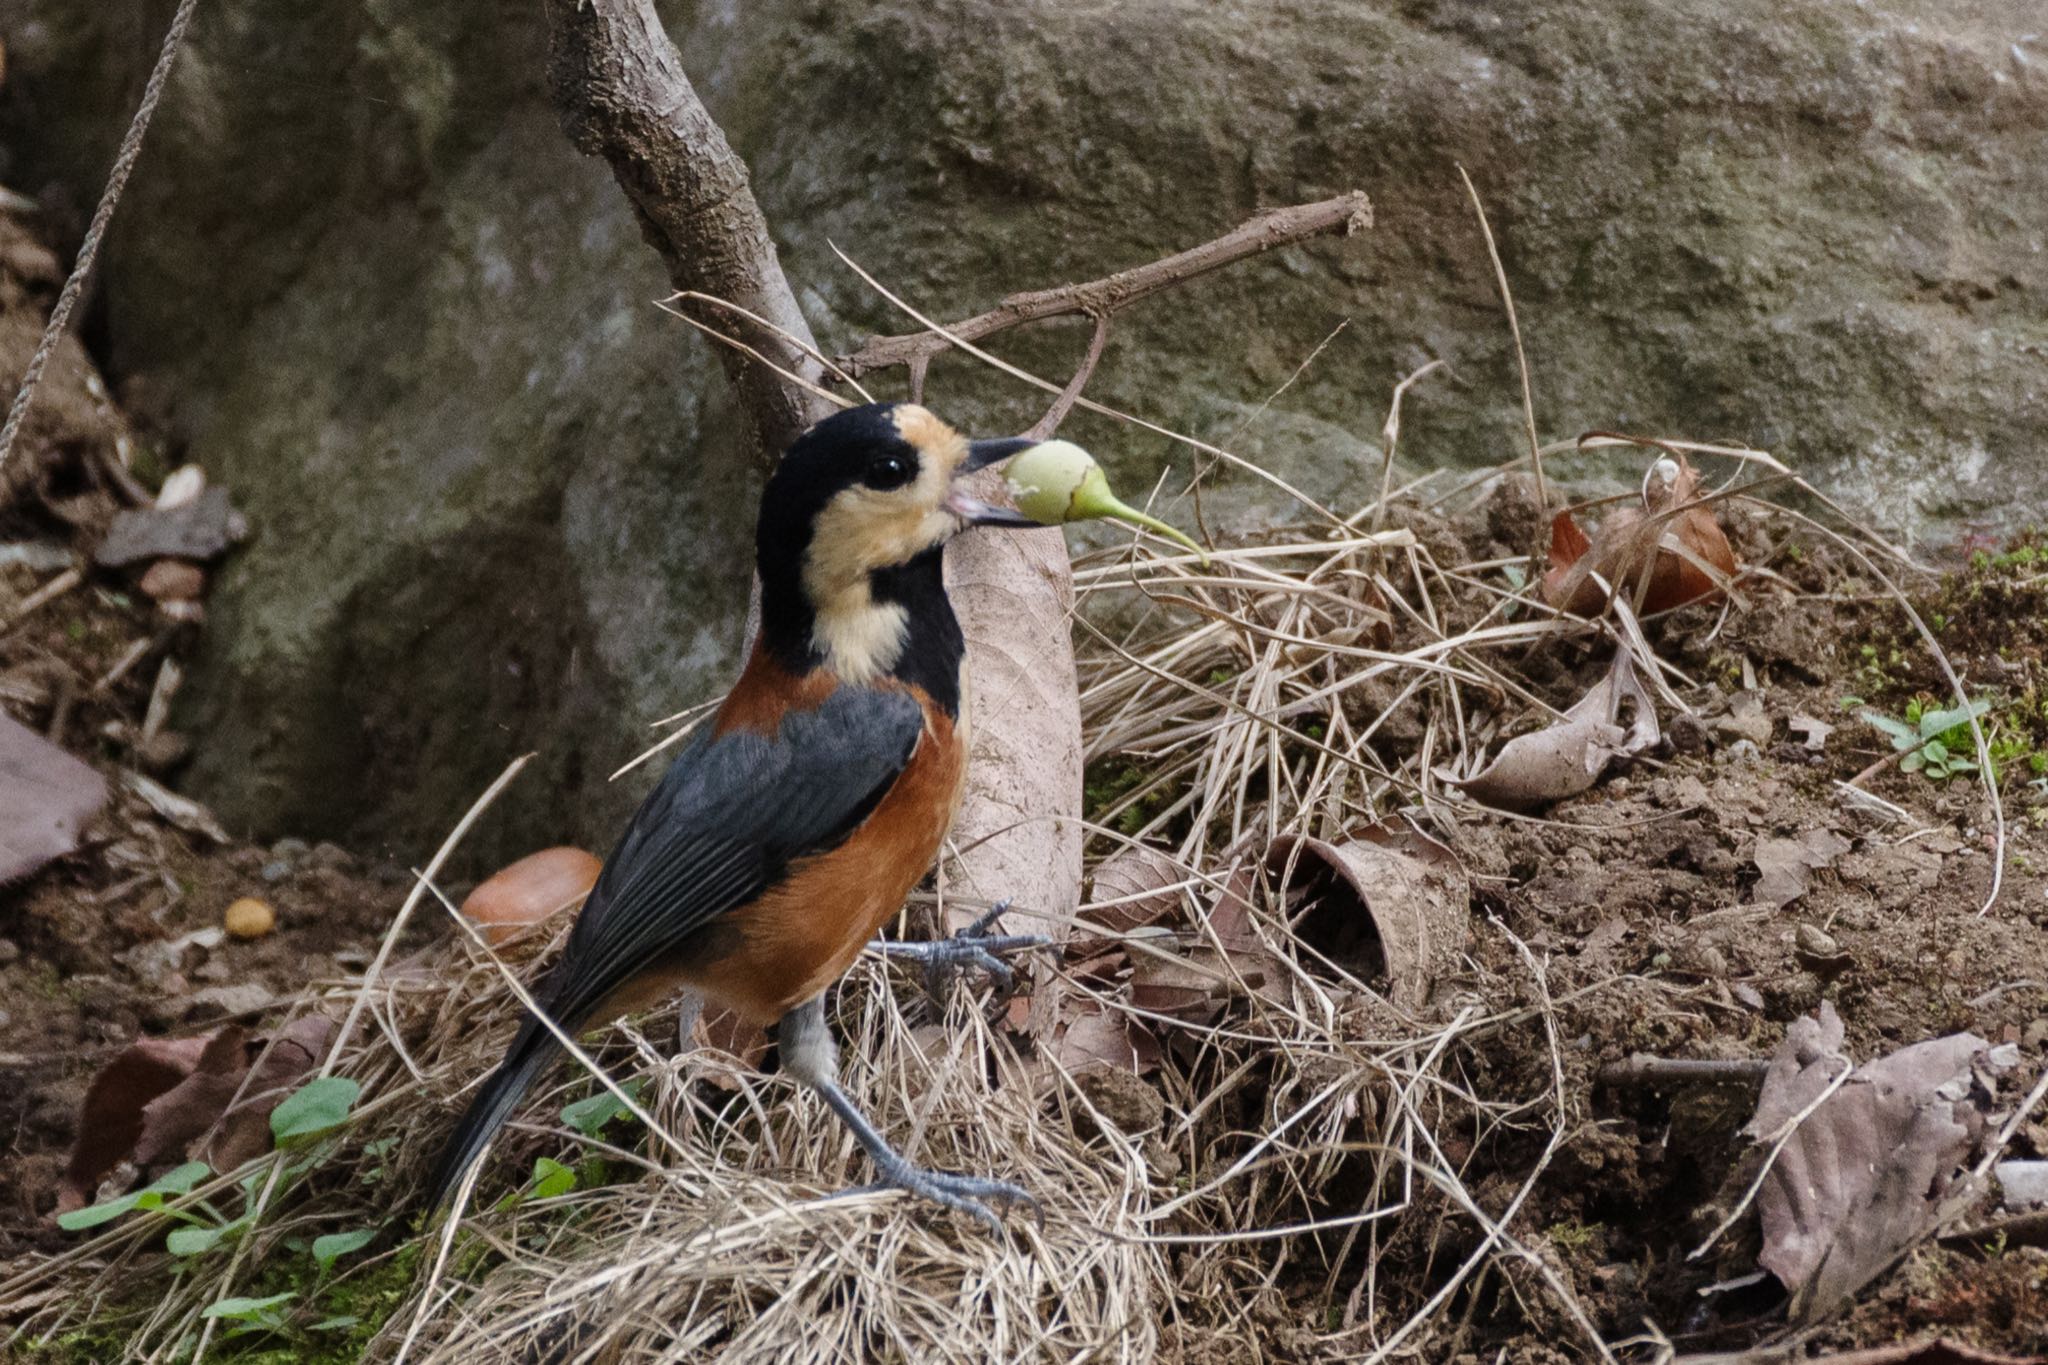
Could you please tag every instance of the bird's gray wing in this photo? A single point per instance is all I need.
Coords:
(723, 824)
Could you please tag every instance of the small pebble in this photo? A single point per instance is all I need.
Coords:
(290, 850)
(249, 918)
(185, 483)
(162, 751)
(329, 855)
(275, 872)
(10, 951)
(2036, 1035)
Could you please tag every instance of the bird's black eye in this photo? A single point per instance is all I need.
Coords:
(890, 470)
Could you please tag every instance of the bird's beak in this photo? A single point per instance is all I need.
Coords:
(982, 454)
(971, 510)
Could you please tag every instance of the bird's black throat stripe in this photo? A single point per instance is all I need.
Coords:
(932, 650)
(935, 647)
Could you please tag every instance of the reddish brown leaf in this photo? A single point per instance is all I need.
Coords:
(1660, 557)
(111, 1118)
(163, 1101)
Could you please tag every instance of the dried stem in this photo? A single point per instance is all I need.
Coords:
(1342, 216)
(1507, 300)
(1643, 1071)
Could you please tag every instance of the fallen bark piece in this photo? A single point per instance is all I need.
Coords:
(47, 797)
(167, 1100)
(1874, 1168)
(1567, 757)
(1667, 553)
(181, 811)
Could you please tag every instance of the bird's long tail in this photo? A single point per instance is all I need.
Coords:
(529, 1055)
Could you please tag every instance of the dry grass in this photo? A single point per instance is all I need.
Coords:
(1306, 1185)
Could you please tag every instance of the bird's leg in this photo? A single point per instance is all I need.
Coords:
(691, 1010)
(809, 1055)
(973, 946)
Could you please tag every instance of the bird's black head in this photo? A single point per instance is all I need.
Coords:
(853, 523)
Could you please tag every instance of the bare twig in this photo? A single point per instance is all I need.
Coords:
(1647, 1072)
(1342, 216)
(1062, 405)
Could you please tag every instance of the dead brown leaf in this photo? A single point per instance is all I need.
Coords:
(1788, 865)
(1568, 756)
(162, 1101)
(1126, 894)
(1093, 1036)
(1665, 553)
(1873, 1169)
(1018, 834)
(47, 798)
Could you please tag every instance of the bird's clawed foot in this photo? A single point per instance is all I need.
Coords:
(971, 947)
(966, 1193)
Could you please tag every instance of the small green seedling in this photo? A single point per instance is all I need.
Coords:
(589, 1116)
(250, 1315)
(1934, 742)
(335, 1245)
(319, 1106)
(180, 1180)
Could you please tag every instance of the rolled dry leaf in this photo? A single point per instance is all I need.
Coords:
(1567, 756)
(1390, 904)
(1672, 558)
(524, 893)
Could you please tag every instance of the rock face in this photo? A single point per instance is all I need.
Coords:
(497, 500)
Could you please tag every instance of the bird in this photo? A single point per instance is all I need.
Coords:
(790, 829)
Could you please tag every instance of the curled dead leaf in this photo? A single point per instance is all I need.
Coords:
(1390, 904)
(1132, 888)
(1666, 553)
(1568, 756)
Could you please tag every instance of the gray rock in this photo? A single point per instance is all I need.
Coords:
(501, 502)
(201, 529)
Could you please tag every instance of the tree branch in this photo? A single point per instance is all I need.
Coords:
(1342, 216)
(618, 83)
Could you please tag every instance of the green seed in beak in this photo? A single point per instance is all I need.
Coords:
(1056, 482)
